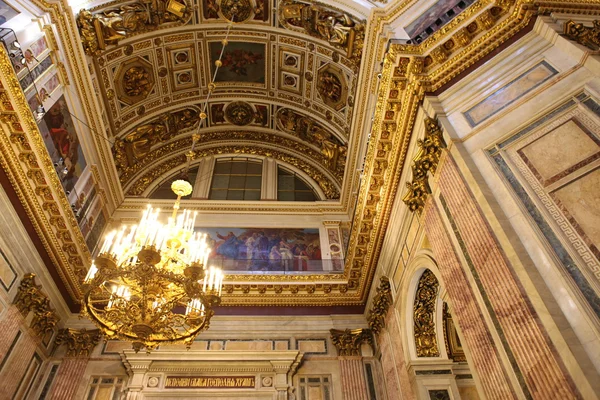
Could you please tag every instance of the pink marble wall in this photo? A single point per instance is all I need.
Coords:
(538, 364)
(485, 361)
(13, 371)
(354, 384)
(68, 378)
(9, 326)
(395, 374)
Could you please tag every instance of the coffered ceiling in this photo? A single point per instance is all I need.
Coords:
(286, 87)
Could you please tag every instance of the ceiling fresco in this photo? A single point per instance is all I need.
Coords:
(290, 74)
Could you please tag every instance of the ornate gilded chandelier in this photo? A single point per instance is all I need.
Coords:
(150, 283)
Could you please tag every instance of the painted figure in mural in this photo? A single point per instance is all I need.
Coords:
(287, 256)
(250, 244)
(274, 259)
(238, 60)
(65, 141)
(229, 247)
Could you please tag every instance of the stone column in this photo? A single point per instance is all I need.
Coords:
(80, 344)
(539, 371)
(137, 371)
(268, 189)
(348, 344)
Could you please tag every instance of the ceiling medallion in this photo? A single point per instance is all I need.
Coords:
(239, 113)
(147, 275)
(236, 10)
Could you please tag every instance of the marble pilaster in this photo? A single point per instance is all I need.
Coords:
(68, 378)
(541, 373)
(484, 357)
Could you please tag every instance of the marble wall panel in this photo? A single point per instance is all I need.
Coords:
(253, 345)
(8, 275)
(510, 93)
(559, 150)
(312, 346)
(550, 166)
(581, 199)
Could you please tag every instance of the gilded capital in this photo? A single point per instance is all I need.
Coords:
(348, 342)
(80, 342)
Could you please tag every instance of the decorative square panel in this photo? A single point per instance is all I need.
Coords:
(184, 79)
(290, 82)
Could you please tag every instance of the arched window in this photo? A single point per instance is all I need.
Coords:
(236, 179)
(163, 191)
(290, 187)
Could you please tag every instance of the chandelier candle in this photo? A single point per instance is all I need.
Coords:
(151, 283)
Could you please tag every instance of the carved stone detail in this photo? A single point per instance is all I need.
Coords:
(348, 342)
(381, 304)
(80, 343)
(424, 316)
(584, 35)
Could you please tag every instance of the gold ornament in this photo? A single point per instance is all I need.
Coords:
(145, 276)
(424, 316)
(381, 304)
(348, 342)
(80, 343)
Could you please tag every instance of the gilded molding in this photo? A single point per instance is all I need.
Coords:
(380, 306)
(25, 160)
(348, 342)
(80, 343)
(130, 170)
(588, 36)
(424, 316)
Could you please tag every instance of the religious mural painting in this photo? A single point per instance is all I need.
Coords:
(266, 250)
(62, 143)
(242, 62)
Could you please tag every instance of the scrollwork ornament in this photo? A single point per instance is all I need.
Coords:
(584, 35)
(380, 306)
(424, 316)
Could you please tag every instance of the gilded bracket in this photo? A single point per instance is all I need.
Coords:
(424, 316)
(584, 35)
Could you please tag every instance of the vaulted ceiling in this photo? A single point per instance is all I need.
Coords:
(286, 87)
